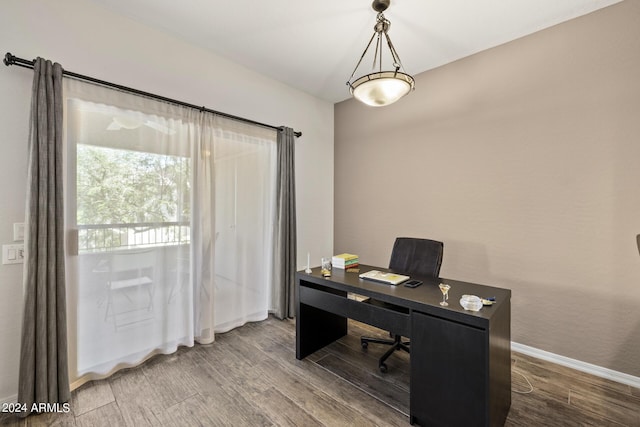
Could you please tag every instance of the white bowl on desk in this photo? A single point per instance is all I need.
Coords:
(471, 302)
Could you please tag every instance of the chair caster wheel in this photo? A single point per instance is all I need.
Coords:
(383, 367)
(364, 344)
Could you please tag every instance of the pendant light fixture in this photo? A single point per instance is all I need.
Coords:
(381, 88)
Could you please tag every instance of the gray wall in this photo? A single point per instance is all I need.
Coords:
(525, 160)
(87, 39)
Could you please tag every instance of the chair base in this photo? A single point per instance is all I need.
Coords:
(396, 344)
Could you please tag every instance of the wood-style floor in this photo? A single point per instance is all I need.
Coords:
(250, 377)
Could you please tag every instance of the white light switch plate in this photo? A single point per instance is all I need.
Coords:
(13, 254)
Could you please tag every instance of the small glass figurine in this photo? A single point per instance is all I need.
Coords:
(326, 267)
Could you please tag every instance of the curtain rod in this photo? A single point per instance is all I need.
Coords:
(10, 59)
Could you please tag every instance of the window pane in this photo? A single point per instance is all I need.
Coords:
(130, 198)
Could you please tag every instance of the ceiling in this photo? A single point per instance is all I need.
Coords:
(315, 45)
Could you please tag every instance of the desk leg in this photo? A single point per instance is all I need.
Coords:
(316, 328)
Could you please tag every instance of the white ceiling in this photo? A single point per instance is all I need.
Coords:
(315, 45)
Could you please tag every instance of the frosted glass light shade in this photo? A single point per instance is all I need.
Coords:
(382, 88)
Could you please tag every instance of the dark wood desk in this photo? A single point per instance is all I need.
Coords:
(460, 360)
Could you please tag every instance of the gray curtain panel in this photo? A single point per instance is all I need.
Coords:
(285, 227)
(44, 376)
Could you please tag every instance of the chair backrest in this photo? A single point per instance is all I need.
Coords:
(422, 257)
(132, 264)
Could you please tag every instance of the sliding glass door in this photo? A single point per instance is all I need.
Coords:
(169, 215)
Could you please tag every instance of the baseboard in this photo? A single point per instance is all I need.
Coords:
(578, 365)
(9, 399)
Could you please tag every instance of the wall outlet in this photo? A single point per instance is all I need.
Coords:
(13, 254)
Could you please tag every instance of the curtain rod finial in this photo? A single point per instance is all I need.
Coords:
(9, 59)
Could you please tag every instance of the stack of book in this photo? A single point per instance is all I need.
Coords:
(345, 261)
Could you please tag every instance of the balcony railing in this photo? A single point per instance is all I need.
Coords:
(107, 237)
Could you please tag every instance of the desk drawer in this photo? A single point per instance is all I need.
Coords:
(389, 317)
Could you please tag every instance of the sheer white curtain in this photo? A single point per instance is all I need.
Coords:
(169, 213)
(245, 164)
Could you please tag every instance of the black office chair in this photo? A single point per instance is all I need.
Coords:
(420, 257)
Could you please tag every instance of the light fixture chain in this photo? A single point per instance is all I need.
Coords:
(394, 54)
(361, 58)
(375, 54)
